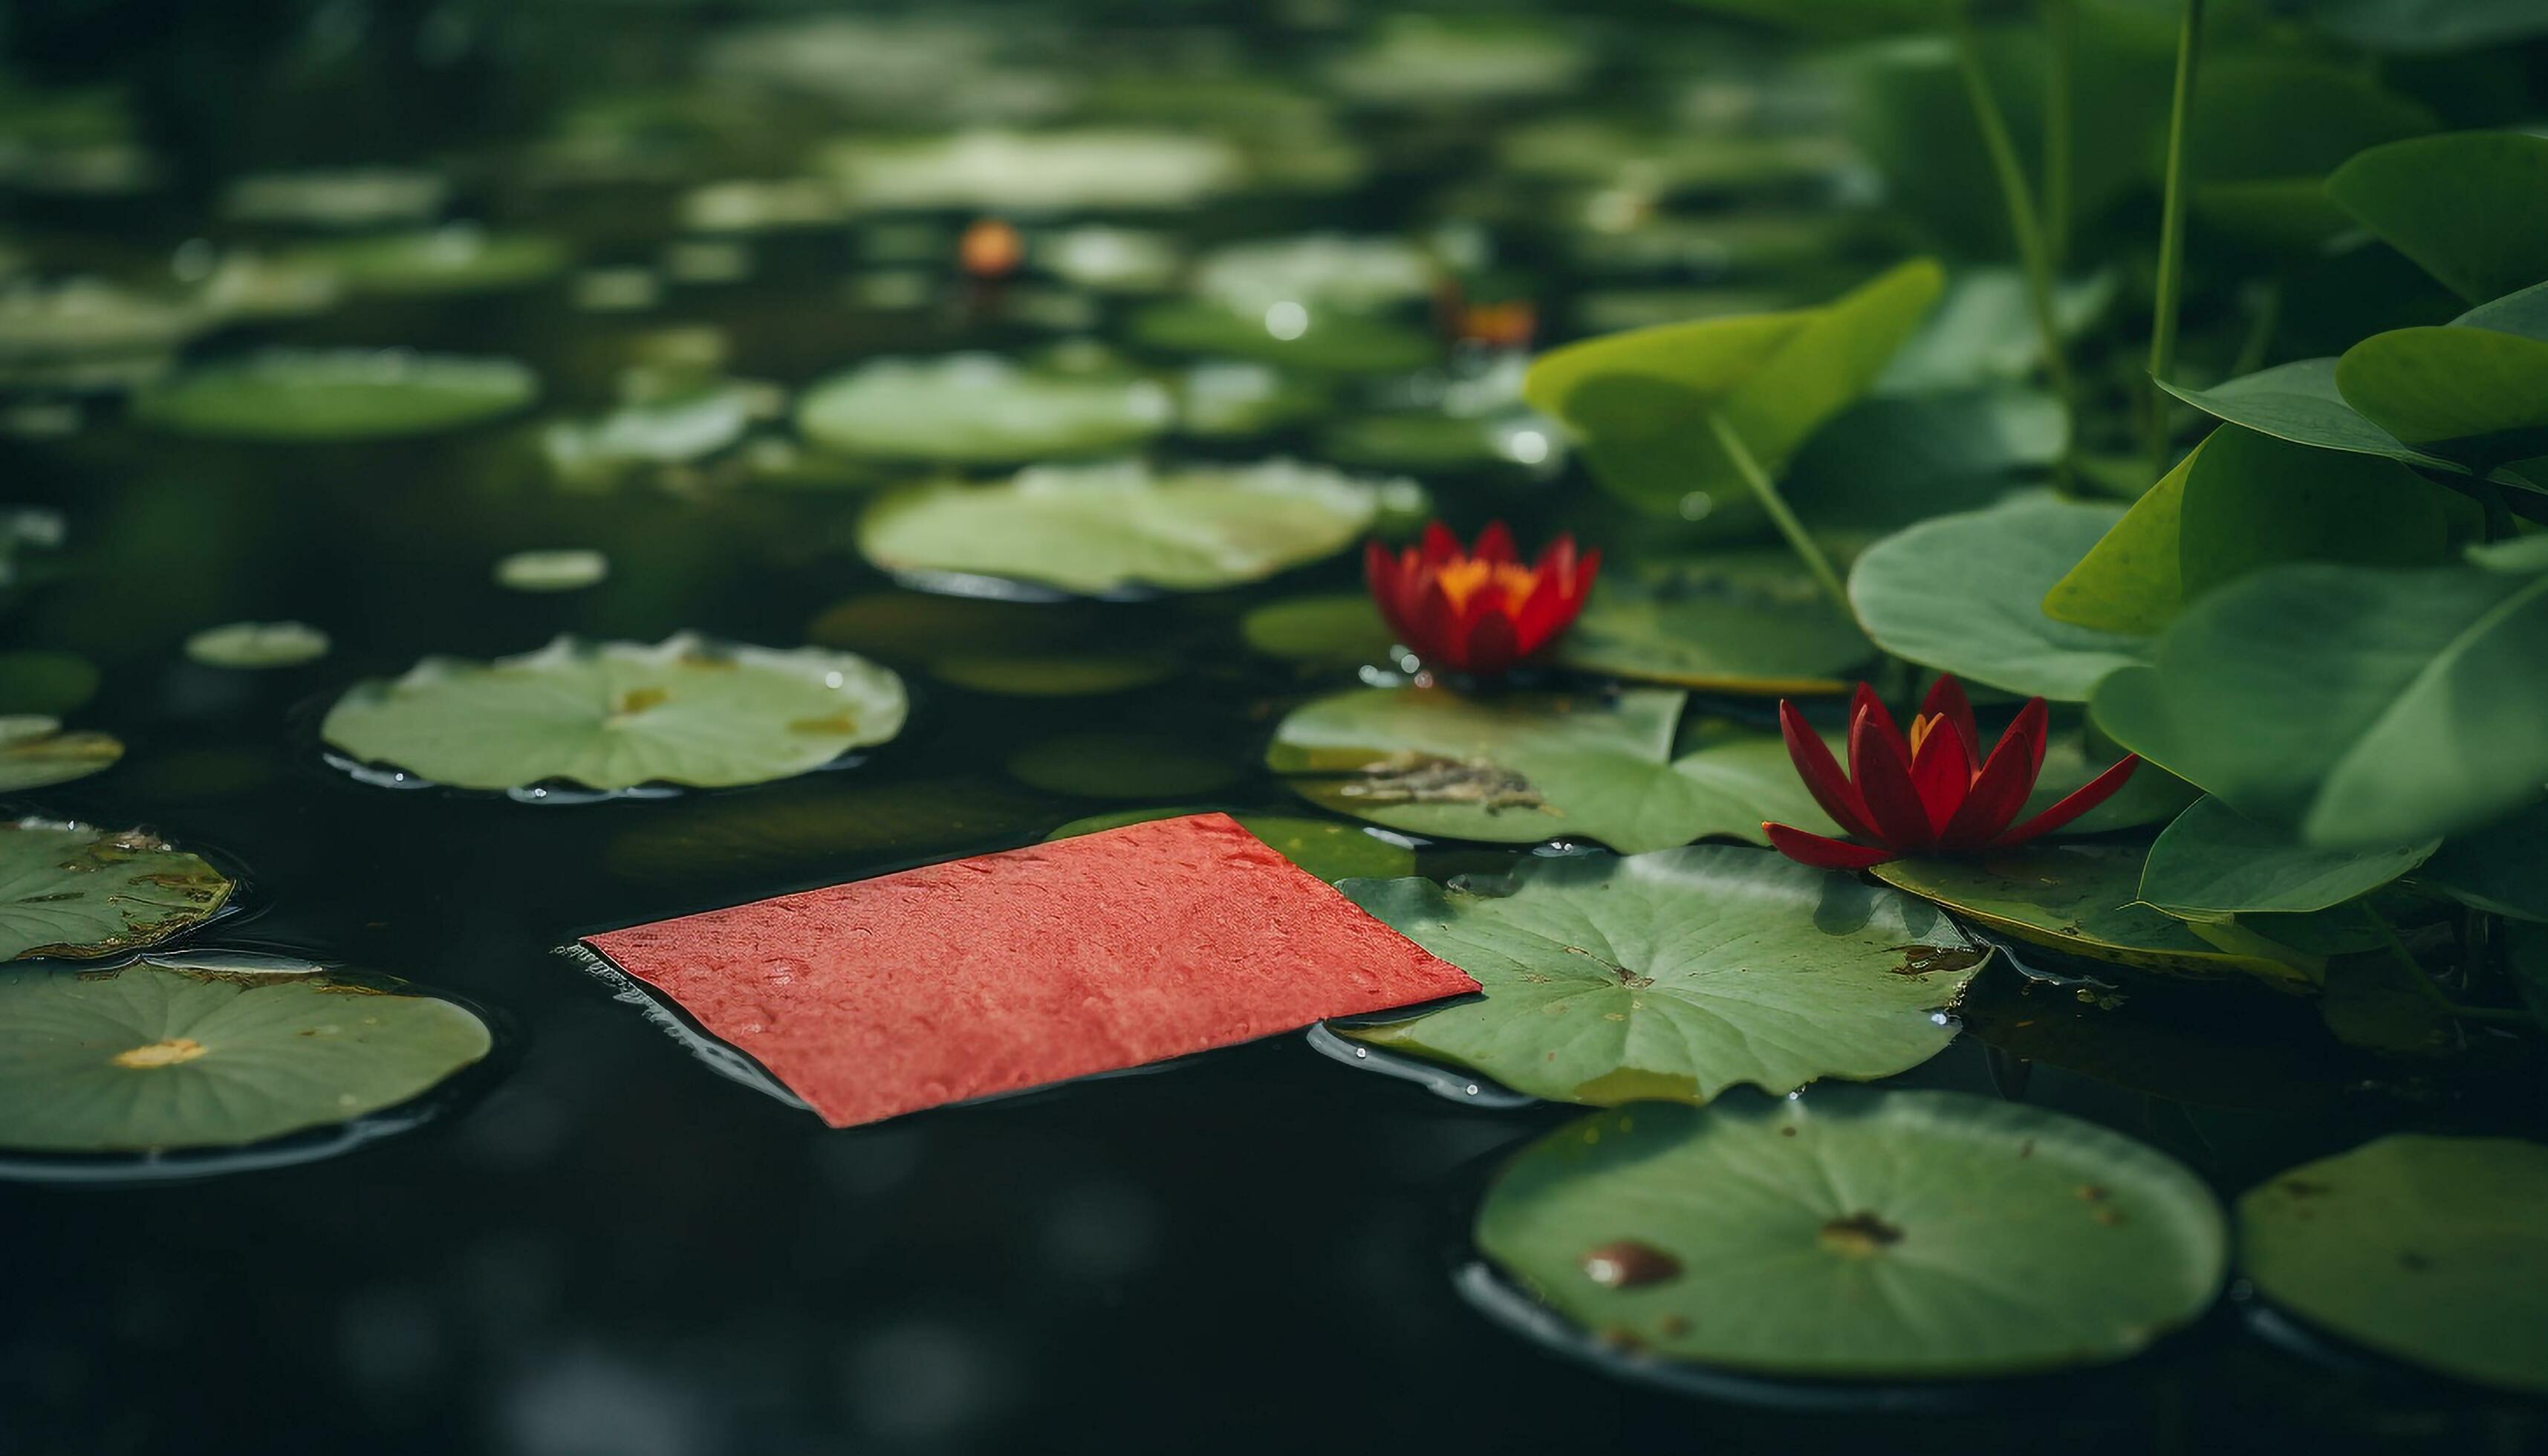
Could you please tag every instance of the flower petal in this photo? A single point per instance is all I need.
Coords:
(1821, 773)
(1880, 767)
(1946, 700)
(1494, 544)
(1821, 852)
(1439, 544)
(2006, 778)
(1941, 770)
(1490, 647)
(2075, 803)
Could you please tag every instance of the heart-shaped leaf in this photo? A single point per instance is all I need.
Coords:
(2471, 208)
(2213, 862)
(300, 394)
(2477, 395)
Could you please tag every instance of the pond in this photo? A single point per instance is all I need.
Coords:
(874, 439)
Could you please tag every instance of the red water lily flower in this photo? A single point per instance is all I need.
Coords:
(1478, 610)
(1931, 792)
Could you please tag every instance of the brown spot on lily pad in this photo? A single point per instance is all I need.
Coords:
(1862, 1235)
(1429, 778)
(1628, 1263)
(1930, 960)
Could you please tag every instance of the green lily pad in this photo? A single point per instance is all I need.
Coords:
(1641, 402)
(1100, 529)
(1325, 847)
(1322, 269)
(1964, 594)
(458, 259)
(2214, 863)
(685, 426)
(1858, 1234)
(2428, 1249)
(1741, 621)
(1675, 974)
(2477, 395)
(2081, 900)
(1053, 674)
(295, 395)
(980, 409)
(72, 892)
(202, 1053)
(257, 644)
(2471, 208)
(1122, 766)
(1231, 398)
(1333, 630)
(614, 715)
(35, 752)
(45, 683)
(1520, 767)
(1120, 169)
(552, 571)
(1426, 61)
(2298, 401)
(336, 197)
(1289, 334)
(2363, 708)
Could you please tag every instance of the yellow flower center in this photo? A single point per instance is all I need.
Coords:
(169, 1052)
(1468, 576)
(1921, 727)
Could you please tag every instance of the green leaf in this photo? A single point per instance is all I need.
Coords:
(2364, 708)
(2477, 395)
(1858, 1234)
(1325, 847)
(257, 644)
(2430, 1250)
(2266, 133)
(2153, 795)
(301, 395)
(2501, 870)
(1326, 340)
(2241, 501)
(34, 753)
(1334, 630)
(1891, 460)
(205, 1052)
(2213, 862)
(1982, 332)
(1749, 621)
(1963, 594)
(1639, 402)
(2082, 900)
(614, 715)
(73, 892)
(2300, 402)
(434, 262)
(1675, 974)
(1103, 528)
(980, 409)
(2471, 208)
(1520, 767)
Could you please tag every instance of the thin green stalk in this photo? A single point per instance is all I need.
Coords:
(2025, 223)
(1766, 491)
(2171, 232)
(2424, 984)
(2061, 125)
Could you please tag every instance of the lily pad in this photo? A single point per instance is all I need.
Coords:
(980, 409)
(1100, 529)
(1290, 334)
(457, 259)
(72, 892)
(1675, 974)
(2471, 208)
(257, 644)
(1325, 847)
(613, 716)
(1321, 269)
(1858, 1234)
(336, 197)
(552, 571)
(1520, 767)
(199, 1054)
(35, 752)
(1426, 61)
(1744, 622)
(1333, 630)
(294, 395)
(2214, 863)
(1093, 169)
(2081, 900)
(1964, 594)
(2428, 1249)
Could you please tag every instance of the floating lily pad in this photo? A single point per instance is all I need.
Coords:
(2430, 1250)
(552, 571)
(1053, 674)
(338, 197)
(335, 395)
(2082, 900)
(1111, 169)
(457, 259)
(1325, 847)
(1224, 399)
(73, 892)
(1122, 766)
(1519, 768)
(1101, 529)
(1677, 975)
(202, 1053)
(1423, 60)
(1749, 621)
(689, 426)
(977, 409)
(1291, 334)
(257, 644)
(1858, 1234)
(613, 716)
(1332, 270)
(35, 752)
(1964, 594)
(1333, 630)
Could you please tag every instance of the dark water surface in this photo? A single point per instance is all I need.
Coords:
(603, 1248)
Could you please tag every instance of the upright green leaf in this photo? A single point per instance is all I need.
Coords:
(2470, 206)
(2477, 395)
(2300, 402)
(2213, 862)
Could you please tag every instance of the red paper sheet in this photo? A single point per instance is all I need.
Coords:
(983, 975)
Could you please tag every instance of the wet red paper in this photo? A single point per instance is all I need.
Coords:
(1013, 970)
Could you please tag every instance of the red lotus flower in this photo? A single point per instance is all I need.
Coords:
(1931, 792)
(1478, 610)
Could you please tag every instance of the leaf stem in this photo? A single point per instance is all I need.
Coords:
(1766, 491)
(2025, 223)
(2425, 982)
(2171, 232)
